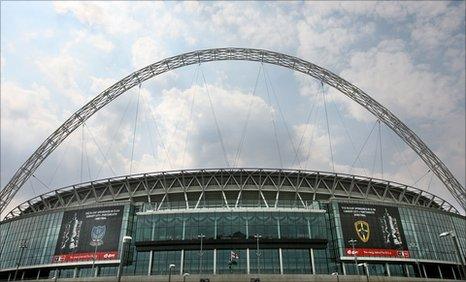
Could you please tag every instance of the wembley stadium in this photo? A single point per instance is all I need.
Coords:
(234, 224)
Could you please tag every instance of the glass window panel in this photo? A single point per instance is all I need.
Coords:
(162, 260)
(193, 264)
(296, 261)
(266, 262)
(225, 265)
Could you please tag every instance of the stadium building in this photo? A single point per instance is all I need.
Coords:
(221, 222)
(234, 224)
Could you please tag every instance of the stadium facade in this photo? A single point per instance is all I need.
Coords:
(219, 222)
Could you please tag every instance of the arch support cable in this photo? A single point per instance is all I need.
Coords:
(328, 127)
(242, 54)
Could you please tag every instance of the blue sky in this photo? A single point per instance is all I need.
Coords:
(55, 56)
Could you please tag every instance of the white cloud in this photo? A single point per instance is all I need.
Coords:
(27, 116)
(146, 51)
(434, 32)
(32, 35)
(234, 24)
(67, 71)
(453, 61)
(114, 19)
(408, 56)
(101, 43)
(63, 71)
(204, 147)
(314, 152)
(389, 75)
(82, 38)
(192, 139)
(99, 84)
(325, 37)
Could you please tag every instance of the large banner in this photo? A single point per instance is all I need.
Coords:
(89, 232)
(377, 230)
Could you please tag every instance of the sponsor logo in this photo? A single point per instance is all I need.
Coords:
(109, 256)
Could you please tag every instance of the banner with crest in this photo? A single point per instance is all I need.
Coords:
(376, 229)
(89, 234)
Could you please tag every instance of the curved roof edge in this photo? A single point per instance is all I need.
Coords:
(360, 187)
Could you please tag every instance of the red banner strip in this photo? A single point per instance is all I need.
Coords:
(363, 252)
(85, 257)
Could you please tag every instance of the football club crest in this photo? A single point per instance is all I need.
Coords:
(97, 234)
(362, 230)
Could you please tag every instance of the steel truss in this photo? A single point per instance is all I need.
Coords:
(223, 54)
(159, 188)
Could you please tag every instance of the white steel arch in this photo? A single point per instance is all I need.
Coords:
(222, 54)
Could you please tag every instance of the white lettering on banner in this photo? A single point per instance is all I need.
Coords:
(102, 214)
(358, 211)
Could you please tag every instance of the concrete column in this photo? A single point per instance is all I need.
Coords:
(343, 267)
(38, 274)
(418, 265)
(424, 270)
(215, 228)
(152, 234)
(407, 270)
(440, 271)
(247, 261)
(278, 229)
(387, 268)
(75, 272)
(182, 262)
(312, 262)
(453, 270)
(309, 229)
(280, 258)
(215, 261)
(184, 229)
(149, 267)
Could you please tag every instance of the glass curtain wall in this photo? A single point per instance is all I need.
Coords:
(231, 225)
(38, 235)
(235, 225)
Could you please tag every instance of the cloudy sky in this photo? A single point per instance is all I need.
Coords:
(55, 56)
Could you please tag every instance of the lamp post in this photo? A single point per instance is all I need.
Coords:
(258, 253)
(336, 274)
(415, 245)
(458, 250)
(170, 267)
(353, 242)
(365, 269)
(93, 259)
(22, 245)
(126, 240)
(185, 275)
(201, 253)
